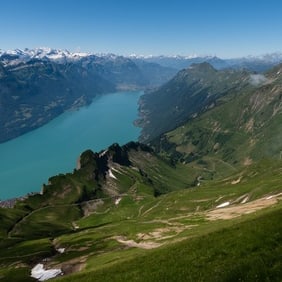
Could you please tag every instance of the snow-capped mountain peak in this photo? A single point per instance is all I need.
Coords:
(43, 53)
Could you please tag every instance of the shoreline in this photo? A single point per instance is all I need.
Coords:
(10, 203)
(114, 104)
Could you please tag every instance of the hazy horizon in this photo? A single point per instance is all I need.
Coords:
(226, 29)
(142, 55)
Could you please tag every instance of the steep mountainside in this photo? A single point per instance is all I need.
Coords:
(37, 85)
(33, 93)
(241, 130)
(191, 92)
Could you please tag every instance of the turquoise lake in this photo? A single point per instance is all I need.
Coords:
(29, 160)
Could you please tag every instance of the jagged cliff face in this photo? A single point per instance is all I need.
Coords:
(92, 178)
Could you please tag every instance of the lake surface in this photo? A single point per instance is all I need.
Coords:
(29, 160)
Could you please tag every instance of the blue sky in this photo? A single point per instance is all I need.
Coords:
(230, 28)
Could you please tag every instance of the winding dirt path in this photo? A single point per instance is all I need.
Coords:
(131, 243)
(153, 207)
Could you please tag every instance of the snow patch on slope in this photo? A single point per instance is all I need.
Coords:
(111, 174)
(117, 201)
(223, 205)
(38, 272)
(12, 57)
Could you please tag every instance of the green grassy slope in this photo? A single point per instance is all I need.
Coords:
(241, 130)
(246, 251)
(83, 199)
(171, 218)
(117, 237)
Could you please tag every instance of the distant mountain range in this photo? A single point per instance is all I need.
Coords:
(119, 70)
(12, 57)
(38, 85)
(253, 63)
